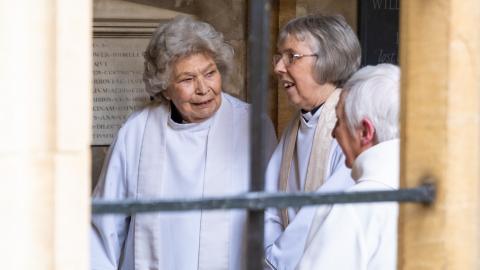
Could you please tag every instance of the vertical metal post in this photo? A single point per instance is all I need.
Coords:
(257, 82)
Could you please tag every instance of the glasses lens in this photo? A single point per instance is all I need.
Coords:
(276, 58)
(291, 58)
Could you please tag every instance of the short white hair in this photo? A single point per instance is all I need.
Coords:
(373, 92)
(332, 39)
(181, 37)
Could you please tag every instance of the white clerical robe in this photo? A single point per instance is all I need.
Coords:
(284, 246)
(359, 236)
(187, 166)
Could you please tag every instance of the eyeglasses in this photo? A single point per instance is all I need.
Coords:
(289, 58)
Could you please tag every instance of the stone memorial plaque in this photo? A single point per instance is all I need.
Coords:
(118, 86)
(121, 32)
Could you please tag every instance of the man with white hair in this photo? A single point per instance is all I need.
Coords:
(364, 235)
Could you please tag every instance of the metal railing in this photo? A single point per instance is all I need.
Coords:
(257, 83)
(424, 193)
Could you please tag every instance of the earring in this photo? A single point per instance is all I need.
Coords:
(164, 96)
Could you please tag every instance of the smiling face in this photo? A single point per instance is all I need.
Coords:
(195, 87)
(303, 91)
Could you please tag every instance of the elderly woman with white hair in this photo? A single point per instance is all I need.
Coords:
(191, 143)
(364, 236)
(317, 54)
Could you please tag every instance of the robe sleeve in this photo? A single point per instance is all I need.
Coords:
(271, 142)
(337, 163)
(284, 247)
(288, 245)
(273, 223)
(336, 241)
(108, 232)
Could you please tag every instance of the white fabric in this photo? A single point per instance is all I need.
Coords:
(284, 246)
(186, 157)
(359, 236)
(215, 167)
(307, 116)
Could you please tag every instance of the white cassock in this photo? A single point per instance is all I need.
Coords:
(155, 157)
(359, 236)
(284, 246)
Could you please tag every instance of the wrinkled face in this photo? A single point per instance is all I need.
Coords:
(350, 144)
(297, 78)
(195, 87)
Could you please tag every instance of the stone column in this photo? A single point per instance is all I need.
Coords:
(439, 57)
(45, 47)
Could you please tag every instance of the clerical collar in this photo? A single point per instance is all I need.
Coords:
(175, 115)
(307, 115)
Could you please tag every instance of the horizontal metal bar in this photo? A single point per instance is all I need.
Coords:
(260, 200)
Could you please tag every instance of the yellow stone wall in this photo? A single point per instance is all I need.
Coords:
(439, 56)
(45, 120)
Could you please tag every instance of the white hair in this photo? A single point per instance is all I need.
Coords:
(373, 92)
(182, 36)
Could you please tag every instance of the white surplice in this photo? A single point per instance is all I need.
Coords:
(154, 157)
(285, 246)
(359, 236)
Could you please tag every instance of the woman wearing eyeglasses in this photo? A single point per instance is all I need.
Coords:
(316, 56)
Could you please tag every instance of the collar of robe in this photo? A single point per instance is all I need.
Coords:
(176, 115)
(307, 115)
(379, 163)
(320, 153)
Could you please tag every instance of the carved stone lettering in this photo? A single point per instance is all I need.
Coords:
(118, 88)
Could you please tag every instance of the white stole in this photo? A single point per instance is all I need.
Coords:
(319, 155)
(215, 225)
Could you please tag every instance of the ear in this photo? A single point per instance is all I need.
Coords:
(367, 136)
(165, 93)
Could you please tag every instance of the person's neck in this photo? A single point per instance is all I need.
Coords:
(323, 93)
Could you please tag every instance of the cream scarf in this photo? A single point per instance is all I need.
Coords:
(319, 155)
(215, 225)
